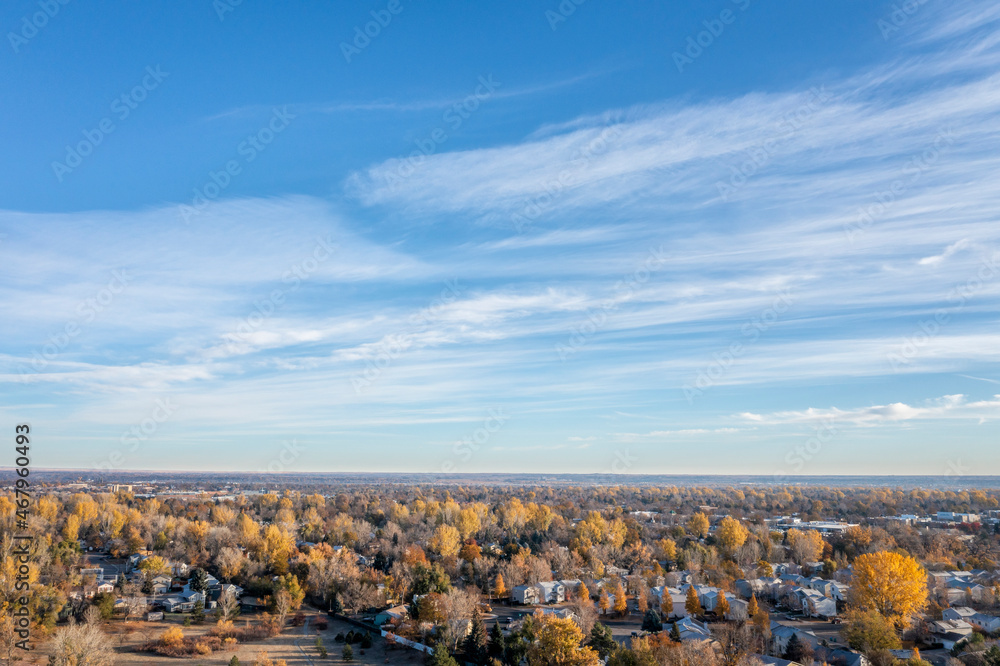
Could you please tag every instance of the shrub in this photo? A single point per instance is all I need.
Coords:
(339, 637)
(347, 653)
(172, 637)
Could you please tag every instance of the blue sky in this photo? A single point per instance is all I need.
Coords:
(709, 237)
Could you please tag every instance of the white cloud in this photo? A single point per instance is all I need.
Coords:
(945, 407)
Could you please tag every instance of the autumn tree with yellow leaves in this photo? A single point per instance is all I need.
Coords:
(692, 604)
(698, 525)
(731, 534)
(558, 642)
(892, 584)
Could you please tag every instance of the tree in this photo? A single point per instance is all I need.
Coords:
(698, 525)
(651, 621)
(752, 606)
(642, 602)
(198, 612)
(582, 592)
(794, 651)
(82, 645)
(601, 640)
(235, 661)
(282, 606)
(892, 584)
(722, 606)
(731, 534)
(499, 588)
(666, 604)
(441, 657)
(762, 623)
(621, 601)
(199, 580)
(805, 546)
(603, 602)
(869, 631)
(692, 604)
(498, 642)
(675, 633)
(155, 566)
(347, 654)
(229, 605)
(105, 602)
(477, 642)
(669, 548)
(446, 541)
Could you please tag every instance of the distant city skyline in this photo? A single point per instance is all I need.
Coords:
(737, 238)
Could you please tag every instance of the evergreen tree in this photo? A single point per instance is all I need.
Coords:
(651, 621)
(235, 661)
(477, 642)
(675, 633)
(794, 649)
(198, 613)
(440, 657)
(199, 580)
(602, 640)
(498, 642)
(347, 654)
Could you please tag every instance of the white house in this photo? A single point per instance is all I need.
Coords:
(816, 604)
(551, 592)
(950, 632)
(525, 594)
(691, 630)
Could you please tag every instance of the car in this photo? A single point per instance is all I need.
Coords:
(508, 620)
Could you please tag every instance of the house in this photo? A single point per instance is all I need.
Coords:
(816, 604)
(691, 630)
(950, 632)
(105, 587)
(768, 660)
(395, 614)
(841, 657)
(525, 594)
(551, 592)
(561, 613)
(252, 604)
(989, 623)
(215, 593)
(747, 588)
(957, 613)
(572, 586)
(177, 604)
(781, 634)
(676, 596)
(710, 600)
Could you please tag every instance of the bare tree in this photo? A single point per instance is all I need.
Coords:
(92, 615)
(282, 606)
(228, 603)
(82, 645)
